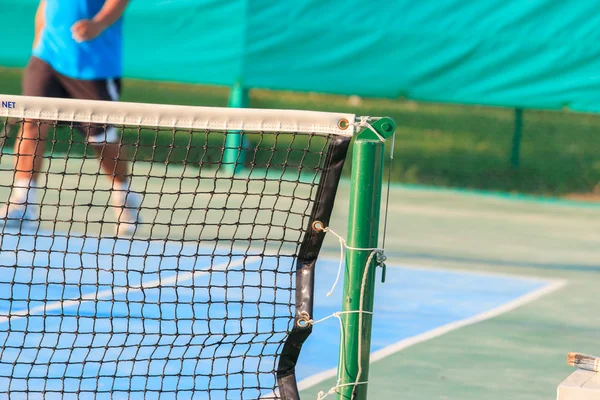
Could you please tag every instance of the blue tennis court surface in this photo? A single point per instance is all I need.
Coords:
(412, 301)
(107, 316)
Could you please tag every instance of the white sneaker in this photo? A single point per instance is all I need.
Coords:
(17, 215)
(128, 215)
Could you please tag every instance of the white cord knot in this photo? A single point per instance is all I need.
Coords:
(337, 314)
(344, 245)
(365, 122)
(321, 395)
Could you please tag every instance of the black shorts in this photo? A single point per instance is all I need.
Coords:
(41, 80)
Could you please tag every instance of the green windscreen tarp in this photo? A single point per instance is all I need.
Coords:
(524, 53)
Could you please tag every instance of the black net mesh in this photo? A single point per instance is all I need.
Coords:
(175, 279)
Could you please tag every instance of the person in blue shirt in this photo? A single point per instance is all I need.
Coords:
(77, 53)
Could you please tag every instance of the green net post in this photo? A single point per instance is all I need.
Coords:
(359, 278)
(233, 156)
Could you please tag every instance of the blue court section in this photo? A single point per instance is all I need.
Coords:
(412, 301)
(150, 318)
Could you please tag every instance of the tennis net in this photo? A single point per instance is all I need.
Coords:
(133, 261)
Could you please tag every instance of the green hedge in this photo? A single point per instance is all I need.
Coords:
(436, 144)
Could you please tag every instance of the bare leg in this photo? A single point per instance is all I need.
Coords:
(29, 150)
(127, 202)
(112, 159)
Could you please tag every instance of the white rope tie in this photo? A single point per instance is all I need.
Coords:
(321, 395)
(335, 315)
(344, 245)
(365, 123)
(374, 252)
(360, 315)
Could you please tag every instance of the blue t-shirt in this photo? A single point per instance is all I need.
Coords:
(99, 58)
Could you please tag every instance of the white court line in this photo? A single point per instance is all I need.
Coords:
(177, 278)
(441, 330)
